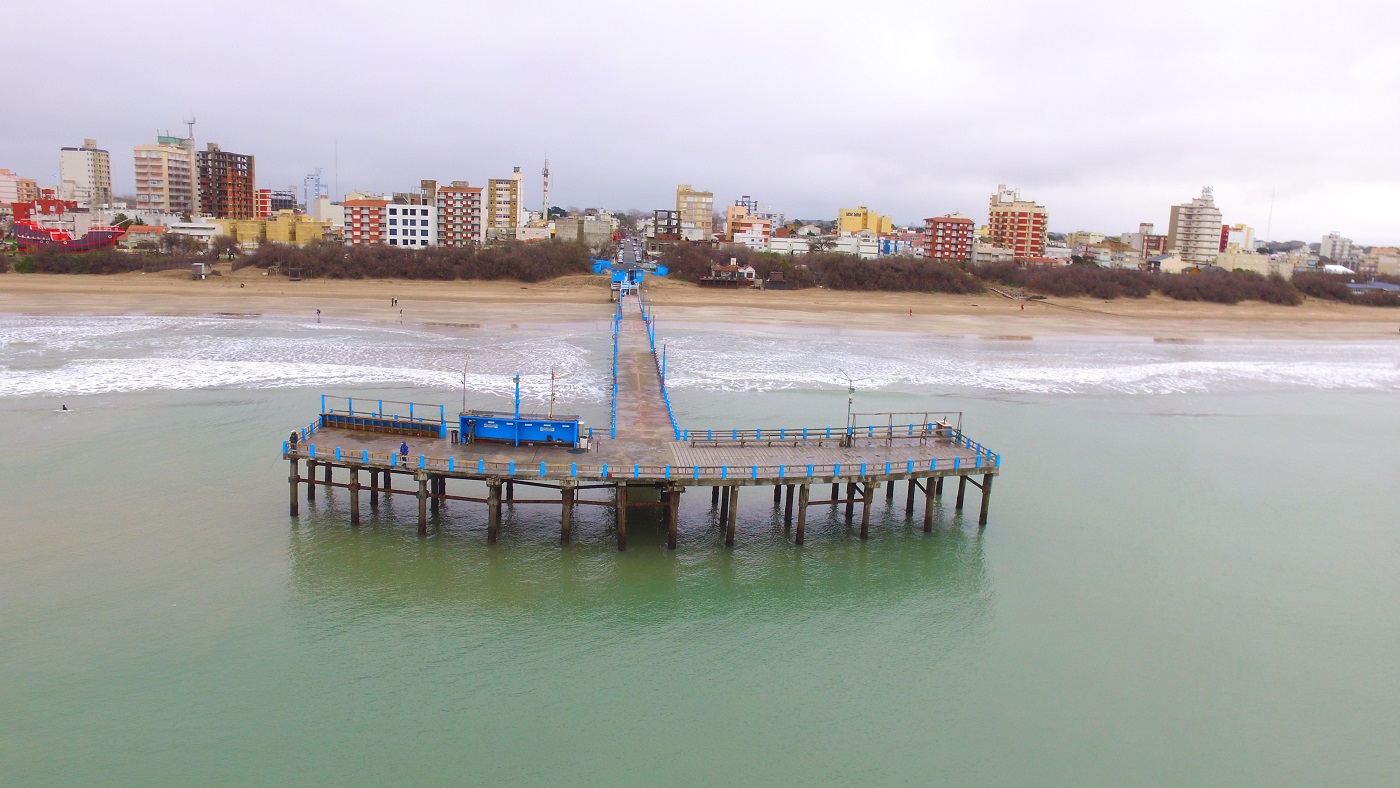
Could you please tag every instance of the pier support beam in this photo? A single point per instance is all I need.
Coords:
(293, 479)
(962, 490)
(986, 498)
(620, 508)
(310, 480)
(939, 489)
(435, 489)
(889, 491)
(869, 496)
(835, 492)
(327, 475)
(374, 489)
(672, 498)
(929, 487)
(909, 497)
(423, 506)
(566, 517)
(777, 494)
(510, 491)
(724, 506)
(787, 506)
(802, 497)
(354, 496)
(388, 483)
(714, 496)
(493, 510)
(850, 501)
(733, 517)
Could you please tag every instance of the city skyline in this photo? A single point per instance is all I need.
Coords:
(915, 110)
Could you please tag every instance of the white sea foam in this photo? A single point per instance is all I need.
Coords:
(84, 355)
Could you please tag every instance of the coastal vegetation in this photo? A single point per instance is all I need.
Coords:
(536, 262)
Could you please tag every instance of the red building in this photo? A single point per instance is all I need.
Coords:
(460, 215)
(949, 238)
(226, 184)
(1018, 225)
(365, 221)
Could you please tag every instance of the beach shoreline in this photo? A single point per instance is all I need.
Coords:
(584, 298)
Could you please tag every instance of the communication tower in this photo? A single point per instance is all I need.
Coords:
(544, 215)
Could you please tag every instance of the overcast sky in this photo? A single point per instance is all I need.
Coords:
(1105, 112)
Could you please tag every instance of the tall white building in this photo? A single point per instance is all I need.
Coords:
(85, 174)
(1335, 247)
(1195, 230)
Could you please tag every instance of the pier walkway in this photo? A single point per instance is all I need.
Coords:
(644, 458)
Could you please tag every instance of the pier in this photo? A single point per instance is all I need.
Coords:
(643, 459)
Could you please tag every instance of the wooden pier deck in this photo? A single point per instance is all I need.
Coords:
(651, 461)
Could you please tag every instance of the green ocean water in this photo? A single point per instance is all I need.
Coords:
(1189, 587)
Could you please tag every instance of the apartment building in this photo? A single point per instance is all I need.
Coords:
(697, 211)
(226, 184)
(854, 220)
(1335, 247)
(504, 212)
(949, 237)
(461, 219)
(366, 221)
(1016, 224)
(85, 174)
(269, 202)
(1195, 230)
(9, 189)
(1146, 240)
(166, 176)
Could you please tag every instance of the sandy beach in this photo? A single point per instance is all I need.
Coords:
(578, 298)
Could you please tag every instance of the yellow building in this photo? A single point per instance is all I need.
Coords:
(287, 227)
(697, 209)
(854, 220)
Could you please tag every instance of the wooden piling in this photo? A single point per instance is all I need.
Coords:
(724, 507)
(929, 487)
(787, 506)
(354, 496)
(373, 489)
(388, 483)
(328, 467)
(714, 496)
(909, 496)
(733, 517)
(986, 498)
(310, 480)
(423, 506)
(620, 507)
(777, 494)
(493, 510)
(802, 497)
(672, 499)
(962, 489)
(294, 479)
(835, 492)
(869, 496)
(510, 491)
(939, 489)
(850, 500)
(889, 492)
(566, 517)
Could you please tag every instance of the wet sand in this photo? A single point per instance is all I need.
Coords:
(578, 298)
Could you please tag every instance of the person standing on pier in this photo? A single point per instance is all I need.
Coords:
(403, 451)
